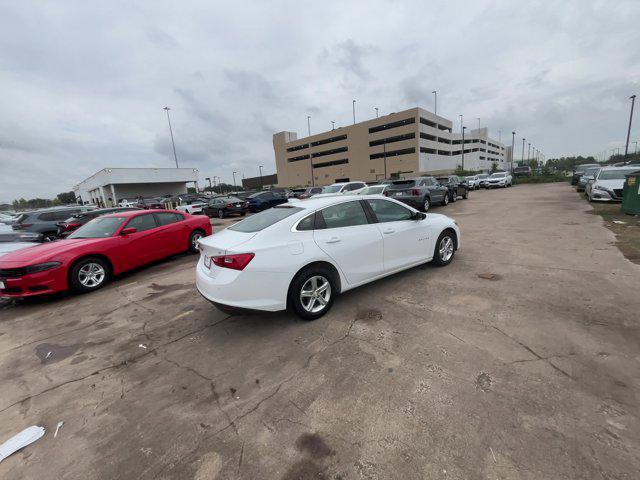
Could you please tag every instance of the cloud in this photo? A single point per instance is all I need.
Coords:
(84, 84)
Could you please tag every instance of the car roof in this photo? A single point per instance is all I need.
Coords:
(133, 213)
(626, 167)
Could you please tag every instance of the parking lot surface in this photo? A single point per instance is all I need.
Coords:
(520, 360)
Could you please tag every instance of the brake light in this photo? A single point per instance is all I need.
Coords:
(71, 226)
(229, 205)
(235, 262)
(415, 192)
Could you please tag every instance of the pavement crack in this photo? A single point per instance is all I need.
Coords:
(114, 366)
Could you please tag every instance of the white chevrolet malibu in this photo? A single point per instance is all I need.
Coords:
(302, 254)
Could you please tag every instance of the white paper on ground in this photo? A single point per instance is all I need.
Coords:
(19, 441)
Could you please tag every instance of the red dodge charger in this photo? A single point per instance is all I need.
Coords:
(106, 246)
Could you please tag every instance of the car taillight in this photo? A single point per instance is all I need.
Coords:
(229, 205)
(415, 192)
(71, 226)
(235, 262)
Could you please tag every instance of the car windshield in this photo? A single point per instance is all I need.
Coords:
(471, 178)
(265, 219)
(582, 168)
(482, 175)
(372, 190)
(100, 227)
(498, 175)
(332, 189)
(591, 171)
(615, 174)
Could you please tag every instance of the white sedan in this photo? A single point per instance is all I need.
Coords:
(304, 253)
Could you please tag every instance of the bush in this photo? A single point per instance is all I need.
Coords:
(542, 179)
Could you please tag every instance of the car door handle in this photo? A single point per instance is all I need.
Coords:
(333, 240)
(388, 230)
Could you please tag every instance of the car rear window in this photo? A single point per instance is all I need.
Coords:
(615, 174)
(265, 219)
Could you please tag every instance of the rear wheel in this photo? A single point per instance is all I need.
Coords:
(89, 274)
(312, 292)
(193, 240)
(445, 248)
(465, 195)
(453, 198)
(445, 200)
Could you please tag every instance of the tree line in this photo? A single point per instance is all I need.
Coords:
(63, 198)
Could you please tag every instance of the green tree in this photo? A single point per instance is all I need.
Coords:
(494, 167)
(66, 197)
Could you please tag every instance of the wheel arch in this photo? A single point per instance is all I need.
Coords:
(453, 233)
(318, 263)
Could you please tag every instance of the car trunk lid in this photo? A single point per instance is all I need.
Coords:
(225, 241)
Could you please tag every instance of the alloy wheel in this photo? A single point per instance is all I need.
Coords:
(446, 199)
(315, 294)
(426, 204)
(91, 275)
(194, 239)
(446, 248)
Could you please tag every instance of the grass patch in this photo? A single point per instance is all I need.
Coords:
(627, 233)
(543, 179)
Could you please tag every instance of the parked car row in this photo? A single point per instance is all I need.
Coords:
(602, 183)
(495, 180)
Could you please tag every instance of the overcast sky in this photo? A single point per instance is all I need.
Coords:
(83, 83)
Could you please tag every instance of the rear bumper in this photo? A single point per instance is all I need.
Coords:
(247, 290)
(33, 284)
(412, 201)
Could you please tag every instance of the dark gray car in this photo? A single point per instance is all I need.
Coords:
(45, 221)
(419, 192)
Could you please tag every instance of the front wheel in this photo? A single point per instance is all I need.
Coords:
(220, 213)
(445, 249)
(445, 200)
(89, 274)
(454, 198)
(312, 292)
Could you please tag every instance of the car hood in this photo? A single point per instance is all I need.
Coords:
(610, 184)
(45, 251)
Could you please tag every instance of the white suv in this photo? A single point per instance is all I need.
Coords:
(499, 179)
(342, 188)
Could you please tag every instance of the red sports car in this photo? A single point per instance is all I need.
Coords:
(106, 246)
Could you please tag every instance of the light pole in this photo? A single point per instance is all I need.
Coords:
(260, 168)
(513, 144)
(528, 152)
(353, 105)
(626, 148)
(166, 109)
(333, 125)
(384, 149)
(209, 180)
(376, 109)
(522, 149)
(463, 129)
(309, 124)
(234, 181)
(435, 102)
(460, 122)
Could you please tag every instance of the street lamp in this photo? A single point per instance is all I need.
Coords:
(166, 109)
(333, 125)
(353, 105)
(234, 181)
(513, 144)
(522, 149)
(528, 152)
(376, 109)
(435, 102)
(309, 124)
(460, 122)
(626, 148)
(260, 168)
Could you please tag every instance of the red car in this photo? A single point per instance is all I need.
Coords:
(106, 246)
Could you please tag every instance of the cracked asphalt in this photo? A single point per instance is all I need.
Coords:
(520, 360)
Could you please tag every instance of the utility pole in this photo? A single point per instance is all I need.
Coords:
(376, 109)
(166, 109)
(523, 150)
(234, 181)
(435, 102)
(529, 152)
(353, 104)
(309, 124)
(460, 122)
(626, 148)
(260, 168)
(384, 149)
(513, 144)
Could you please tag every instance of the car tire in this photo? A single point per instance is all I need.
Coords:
(49, 236)
(89, 274)
(465, 195)
(445, 200)
(445, 248)
(193, 240)
(309, 307)
(454, 198)
(220, 213)
(426, 203)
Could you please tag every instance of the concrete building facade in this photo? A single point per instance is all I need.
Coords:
(110, 185)
(408, 143)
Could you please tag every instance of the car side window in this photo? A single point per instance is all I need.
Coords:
(166, 218)
(142, 222)
(387, 211)
(307, 223)
(347, 214)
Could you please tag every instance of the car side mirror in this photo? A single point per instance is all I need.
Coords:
(128, 231)
(420, 216)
